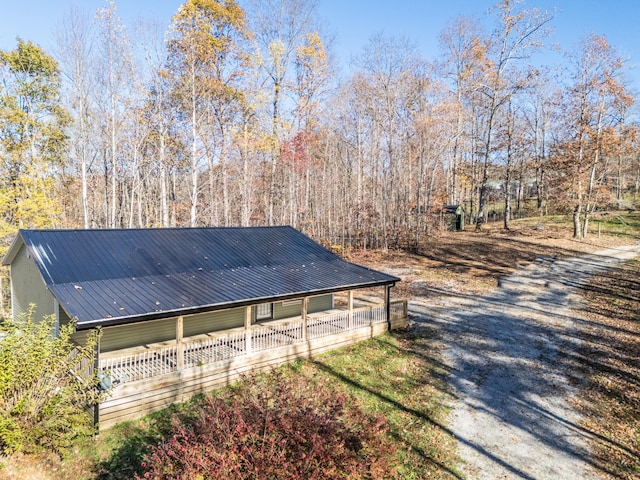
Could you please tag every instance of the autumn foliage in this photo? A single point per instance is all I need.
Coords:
(275, 426)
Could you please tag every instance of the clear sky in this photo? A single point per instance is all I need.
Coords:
(355, 21)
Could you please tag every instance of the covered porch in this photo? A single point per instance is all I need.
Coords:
(149, 377)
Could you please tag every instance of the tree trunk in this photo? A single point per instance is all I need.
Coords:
(193, 217)
(577, 226)
(485, 168)
(85, 199)
(273, 184)
(164, 206)
(246, 181)
(507, 200)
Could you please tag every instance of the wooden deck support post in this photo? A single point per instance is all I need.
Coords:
(179, 342)
(96, 371)
(350, 306)
(387, 304)
(305, 306)
(247, 327)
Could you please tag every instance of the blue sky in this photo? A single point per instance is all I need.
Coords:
(355, 21)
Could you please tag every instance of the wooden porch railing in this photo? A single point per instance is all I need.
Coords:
(399, 310)
(319, 327)
(201, 352)
(159, 360)
(146, 364)
(266, 337)
(364, 317)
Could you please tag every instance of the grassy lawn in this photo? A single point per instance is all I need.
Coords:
(400, 376)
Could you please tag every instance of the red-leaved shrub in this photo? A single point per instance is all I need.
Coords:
(275, 426)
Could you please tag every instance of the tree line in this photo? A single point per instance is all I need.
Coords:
(235, 114)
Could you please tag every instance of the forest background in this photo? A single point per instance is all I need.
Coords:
(235, 115)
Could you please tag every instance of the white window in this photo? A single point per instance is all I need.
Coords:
(264, 311)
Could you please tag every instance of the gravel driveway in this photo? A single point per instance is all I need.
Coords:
(510, 355)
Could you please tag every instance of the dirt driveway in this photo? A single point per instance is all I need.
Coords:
(509, 355)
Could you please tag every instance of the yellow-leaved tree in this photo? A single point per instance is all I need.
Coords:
(32, 141)
(205, 65)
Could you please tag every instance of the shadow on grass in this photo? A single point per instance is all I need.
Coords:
(610, 362)
(397, 433)
(125, 462)
(415, 415)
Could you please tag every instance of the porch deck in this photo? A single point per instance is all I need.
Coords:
(125, 366)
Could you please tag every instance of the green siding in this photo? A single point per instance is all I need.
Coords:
(213, 321)
(27, 287)
(135, 334)
(290, 308)
(63, 317)
(285, 311)
(80, 338)
(318, 304)
(143, 333)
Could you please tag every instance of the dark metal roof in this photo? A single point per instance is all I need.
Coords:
(106, 277)
(457, 209)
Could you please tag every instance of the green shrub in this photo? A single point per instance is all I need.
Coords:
(276, 427)
(47, 386)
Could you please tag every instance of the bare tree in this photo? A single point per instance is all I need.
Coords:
(204, 40)
(114, 78)
(538, 107)
(75, 42)
(464, 61)
(518, 35)
(594, 108)
(280, 28)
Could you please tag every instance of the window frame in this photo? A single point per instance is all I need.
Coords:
(263, 315)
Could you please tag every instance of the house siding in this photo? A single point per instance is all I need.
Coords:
(80, 338)
(63, 317)
(320, 303)
(27, 287)
(213, 321)
(293, 308)
(164, 330)
(136, 334)
(287, 309)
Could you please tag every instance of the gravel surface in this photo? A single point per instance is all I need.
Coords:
(510, 355)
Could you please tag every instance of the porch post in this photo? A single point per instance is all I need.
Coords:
(247, 327)
(350, 306)
(96, 371)
(305, 306)
(387, 304)
(56, 312)
(179, 342)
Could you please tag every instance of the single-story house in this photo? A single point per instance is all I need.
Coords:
(184, 310)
